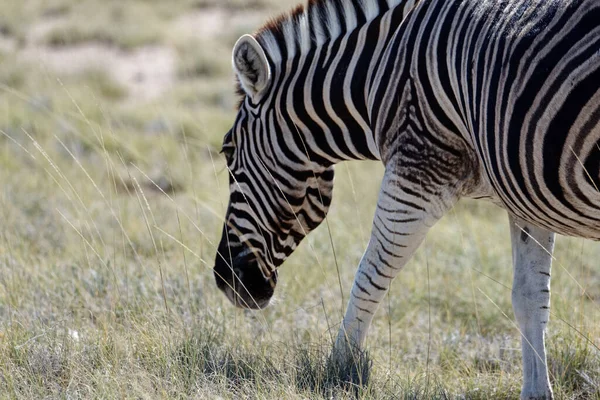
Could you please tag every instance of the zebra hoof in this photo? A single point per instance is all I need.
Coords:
(350, 367)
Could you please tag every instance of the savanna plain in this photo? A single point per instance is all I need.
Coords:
(111, 202)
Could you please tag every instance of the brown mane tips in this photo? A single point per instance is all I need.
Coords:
(274, 23)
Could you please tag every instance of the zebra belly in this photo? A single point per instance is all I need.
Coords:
(537, 124)
(547, 168)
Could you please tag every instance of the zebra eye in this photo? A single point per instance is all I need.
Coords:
(227, 150)
(228, 145)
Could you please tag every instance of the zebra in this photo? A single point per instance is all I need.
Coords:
(488, 99)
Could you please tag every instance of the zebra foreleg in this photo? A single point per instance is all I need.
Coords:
(532, 259)
(405, 211)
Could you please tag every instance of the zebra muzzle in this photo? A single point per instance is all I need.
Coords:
(244, 283)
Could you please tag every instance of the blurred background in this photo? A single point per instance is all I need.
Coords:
(111, 118)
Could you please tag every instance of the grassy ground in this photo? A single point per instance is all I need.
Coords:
(112, 192)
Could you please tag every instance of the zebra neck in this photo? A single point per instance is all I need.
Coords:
(325, 90)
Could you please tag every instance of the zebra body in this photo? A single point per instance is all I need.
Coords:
(528, 103)
(458, 98)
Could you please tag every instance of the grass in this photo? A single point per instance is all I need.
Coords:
(105, 282)
(126, 25)
(197, 60)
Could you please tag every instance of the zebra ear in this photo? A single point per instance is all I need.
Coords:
(251, 66)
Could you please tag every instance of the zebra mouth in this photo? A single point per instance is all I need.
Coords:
(245, 285)
(245, 303)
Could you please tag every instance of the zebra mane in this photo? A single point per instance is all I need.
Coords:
(317, 22)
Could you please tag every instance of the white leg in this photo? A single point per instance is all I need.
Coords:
(532, 259)
(404, 214)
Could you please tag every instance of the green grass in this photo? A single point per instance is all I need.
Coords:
(106, 289)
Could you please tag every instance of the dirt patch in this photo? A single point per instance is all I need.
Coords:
(38, 31)
(146, 72)
(7, 44)
(211, 23)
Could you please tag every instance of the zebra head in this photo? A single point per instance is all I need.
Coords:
(277, 194)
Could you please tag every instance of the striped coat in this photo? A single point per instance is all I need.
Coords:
(494, 99)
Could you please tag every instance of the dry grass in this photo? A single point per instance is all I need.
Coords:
(111, 209)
